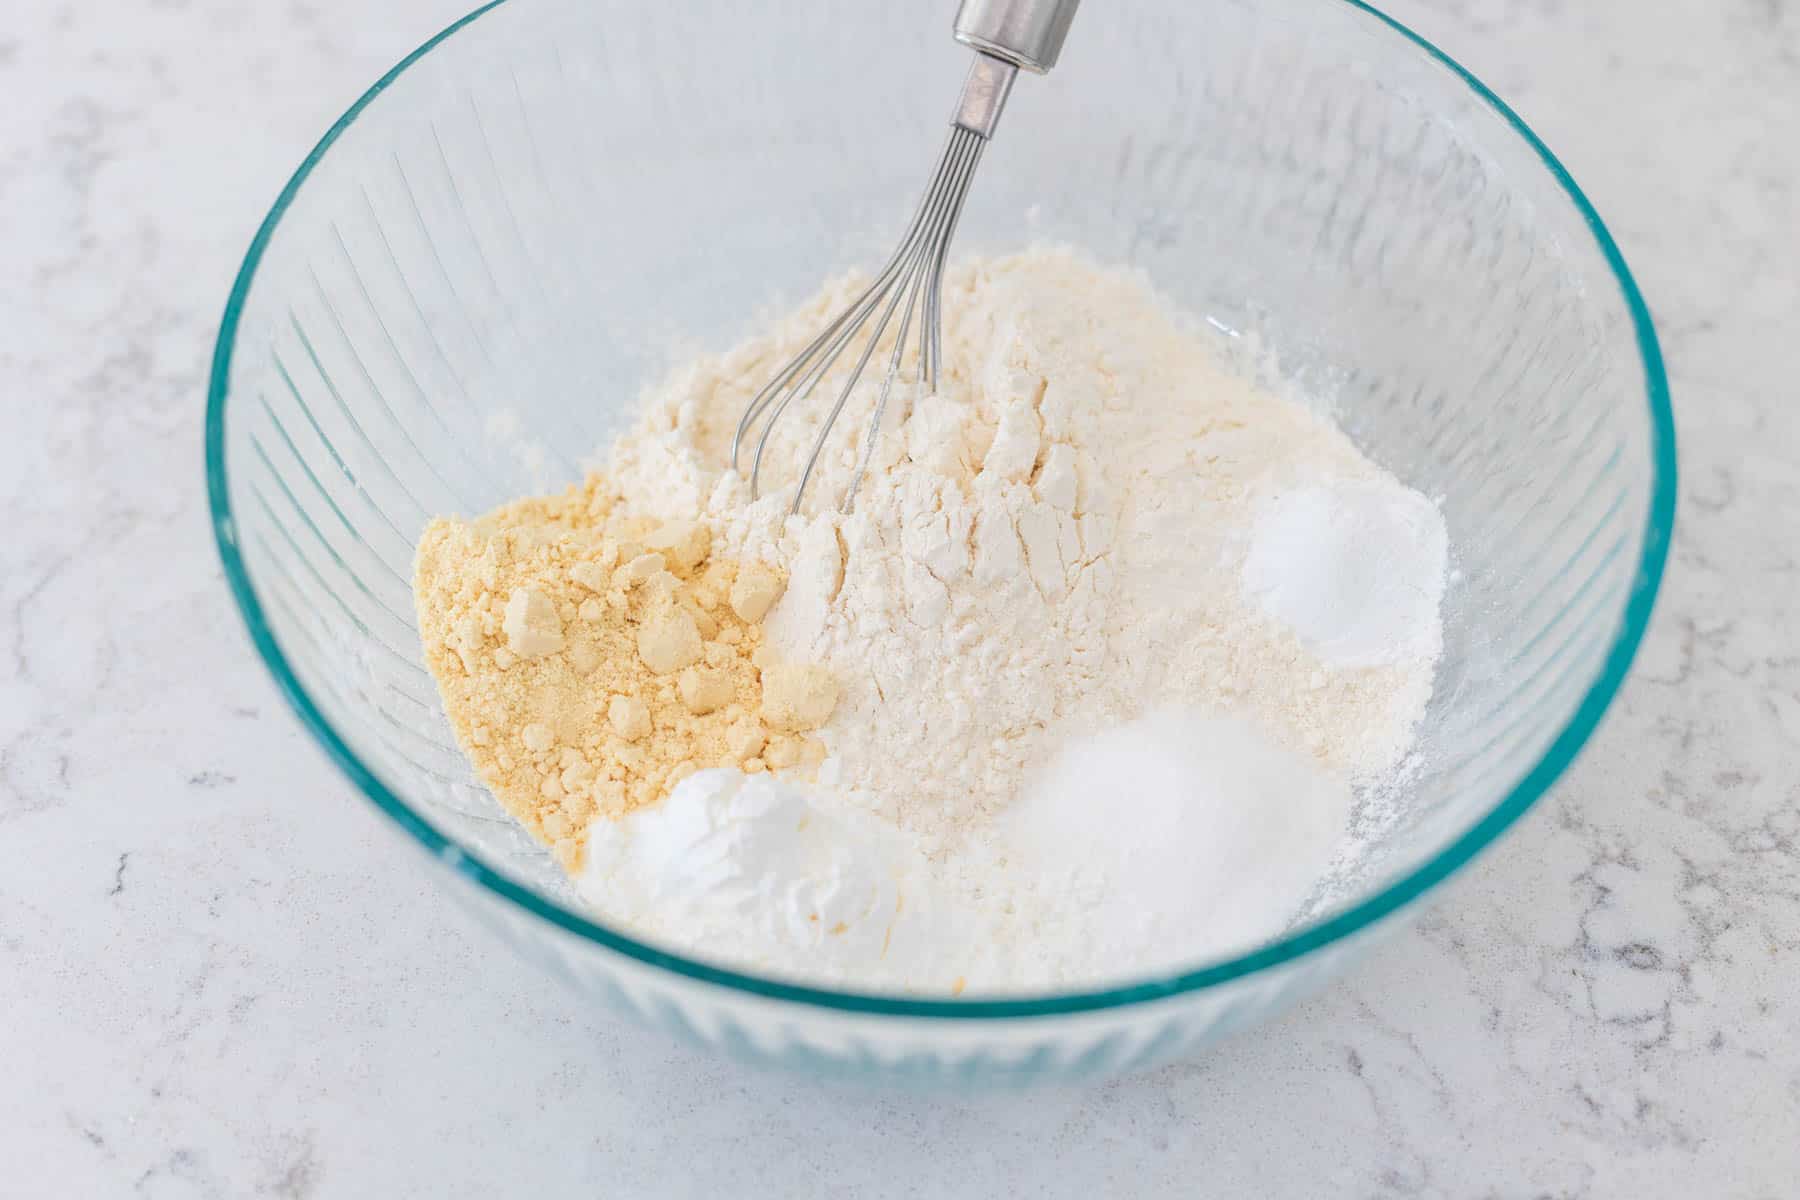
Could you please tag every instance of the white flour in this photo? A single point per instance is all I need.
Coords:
(1054, 545)
(1051, 544)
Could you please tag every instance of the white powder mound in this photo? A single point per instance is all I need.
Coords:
(1356, 570)
(1169, 841)
(1166, 842)
(754, 872)
(1050, 545)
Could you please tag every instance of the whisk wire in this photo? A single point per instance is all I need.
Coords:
(921, 274)
(931, 347)
(851, 315)
(910, 284)
(916, 261)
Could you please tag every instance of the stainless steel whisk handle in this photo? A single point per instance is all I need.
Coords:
(1025, 33)
(1005, 35)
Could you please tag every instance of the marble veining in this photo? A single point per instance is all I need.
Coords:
(216, 963)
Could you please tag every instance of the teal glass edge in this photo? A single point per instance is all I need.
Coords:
(1396, 895)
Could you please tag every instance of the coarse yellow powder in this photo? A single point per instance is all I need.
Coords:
(589, 661)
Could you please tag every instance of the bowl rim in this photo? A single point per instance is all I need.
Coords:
(1366, 912)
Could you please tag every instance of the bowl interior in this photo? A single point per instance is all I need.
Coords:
(462, 295)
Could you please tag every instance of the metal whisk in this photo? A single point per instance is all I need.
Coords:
(1005, 35)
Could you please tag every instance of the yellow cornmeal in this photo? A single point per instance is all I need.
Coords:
(590, 661)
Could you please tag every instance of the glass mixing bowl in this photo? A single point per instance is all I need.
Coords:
(460, 293)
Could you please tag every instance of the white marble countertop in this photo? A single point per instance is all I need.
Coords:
(223, 974)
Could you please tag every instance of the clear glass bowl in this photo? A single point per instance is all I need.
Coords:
(462, 290)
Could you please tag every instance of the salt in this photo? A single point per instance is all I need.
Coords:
(1354, 569)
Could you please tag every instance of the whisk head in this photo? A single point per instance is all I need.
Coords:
(910, 287)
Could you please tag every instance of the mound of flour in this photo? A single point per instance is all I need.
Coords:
(1053, 544)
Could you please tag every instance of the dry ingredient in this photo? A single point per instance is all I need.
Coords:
(1356, 570)
(1166, 841)
(590, 660)
(1094, 663)
(1053, 543)
(757, 871)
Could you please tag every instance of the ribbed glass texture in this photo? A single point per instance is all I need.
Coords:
(463, 291)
